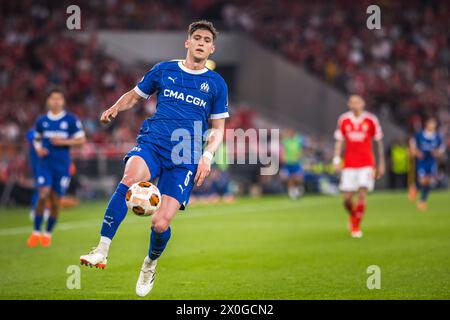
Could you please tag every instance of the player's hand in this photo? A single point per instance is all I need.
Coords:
(58, 142)
(109, 115)
(419, 154)
(337, 164)
(203, 170)
(337, 168)
(41, 152)
(436, 153)
(380, 171)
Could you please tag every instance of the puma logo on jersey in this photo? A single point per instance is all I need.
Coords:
(182, 190)
(172, 79)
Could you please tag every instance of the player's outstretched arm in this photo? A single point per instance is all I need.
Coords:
(37, 144)
(439, 151)
(215, 138)
(125, 102)
(415, 152)
(381, 168)
(71, 142)
(337, 160)
(338, 146)
(413, 147)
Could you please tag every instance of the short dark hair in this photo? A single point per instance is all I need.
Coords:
(53, 90)
(203, 25)
(431, 118)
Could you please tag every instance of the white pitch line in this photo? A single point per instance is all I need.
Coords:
(202, 211)
(245, 209)
(62, 226)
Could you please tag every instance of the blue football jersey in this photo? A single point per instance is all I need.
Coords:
(64, 126)
(186, 99)
(427, 142)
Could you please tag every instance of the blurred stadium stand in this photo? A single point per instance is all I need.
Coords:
(288, 63)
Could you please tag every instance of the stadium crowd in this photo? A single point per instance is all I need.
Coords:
(401, 70)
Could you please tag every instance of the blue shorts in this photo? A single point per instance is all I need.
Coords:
(290, 170)
(58, 178)
(426, 168)
(175, 180)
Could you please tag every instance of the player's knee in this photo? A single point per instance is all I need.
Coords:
(160, 224)
(129, 179)
(44, 193)
(54, 201)
(347, 197)
(348, 204)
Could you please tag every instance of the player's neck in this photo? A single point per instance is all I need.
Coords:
(191, 64)
(55, 115)
(358, 114)
(56, 112)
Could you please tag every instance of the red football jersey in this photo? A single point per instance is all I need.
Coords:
(358, 134)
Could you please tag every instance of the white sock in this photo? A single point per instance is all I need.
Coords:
(104, 244)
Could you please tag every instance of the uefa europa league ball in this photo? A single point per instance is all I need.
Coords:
(143, 198)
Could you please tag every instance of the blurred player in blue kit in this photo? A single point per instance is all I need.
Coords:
(427, 147)
(54, 134)
(189, 95)
(292, 172)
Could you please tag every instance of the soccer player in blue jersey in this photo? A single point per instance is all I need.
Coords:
(55, 132)
(188, 96)
(427, 147)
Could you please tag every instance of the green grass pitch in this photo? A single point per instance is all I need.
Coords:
(268, 248)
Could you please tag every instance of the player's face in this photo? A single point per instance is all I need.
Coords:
(55, 102)
(431, 125)
(200, 45)
(356, 104)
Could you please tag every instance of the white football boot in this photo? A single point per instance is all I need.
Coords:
(357, 234)
(146, 277)
(96, 258)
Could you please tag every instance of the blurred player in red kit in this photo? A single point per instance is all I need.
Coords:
(357, 129)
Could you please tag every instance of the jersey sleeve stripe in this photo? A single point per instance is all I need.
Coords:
(378, 136)
(219, 115)
(338, 135)
(141, 93)
(378, 131)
